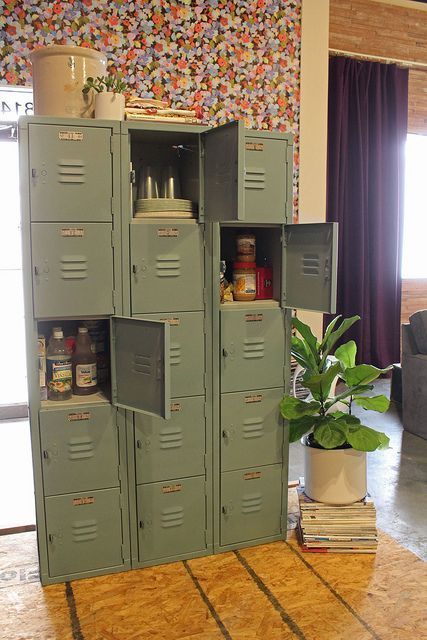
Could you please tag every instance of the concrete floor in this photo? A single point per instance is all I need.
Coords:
(397, 477)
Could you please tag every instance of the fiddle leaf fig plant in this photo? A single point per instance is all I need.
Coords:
(328, 417)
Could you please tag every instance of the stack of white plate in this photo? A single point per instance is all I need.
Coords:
(164, 208)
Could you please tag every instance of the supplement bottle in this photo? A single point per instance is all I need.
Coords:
(58, 367)
(84, 365)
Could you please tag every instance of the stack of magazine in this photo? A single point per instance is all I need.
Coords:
(337, 528)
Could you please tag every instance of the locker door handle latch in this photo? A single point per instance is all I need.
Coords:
(225, 353)
(227, 509)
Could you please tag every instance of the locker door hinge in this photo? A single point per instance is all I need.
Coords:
(123, 552)
(205, 296)
(283, 524)
(285, 373)
(112, 206)
(284, 239)
(206, 538)
(119, 474)
(205, 463)
(112, 238)
(205, 380)
(132, 176)
(114, 298)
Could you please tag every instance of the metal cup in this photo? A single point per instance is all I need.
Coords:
(171, 186)
(148, 182)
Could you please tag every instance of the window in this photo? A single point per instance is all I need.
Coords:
(414, 262)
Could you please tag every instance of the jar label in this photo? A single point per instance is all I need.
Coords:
(245, 284)
(86, 375)
(59, 374)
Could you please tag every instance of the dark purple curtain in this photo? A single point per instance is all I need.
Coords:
(368, 107)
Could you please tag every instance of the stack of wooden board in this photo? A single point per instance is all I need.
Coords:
(337, 528)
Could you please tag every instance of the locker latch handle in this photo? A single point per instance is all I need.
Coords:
(225, 353)
(141, 524)
(36, 270)
(226, 433)
(139, 444)
(227, 509)
(327, 271)
(135, 269)
(50, 537)
(45, 454)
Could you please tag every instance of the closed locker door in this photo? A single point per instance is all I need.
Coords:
(167, 266)
(84, 531)
(79, 449)
(70, 173)
(266, 179)
(252, 349)
(72, 269)
(187, 351)
(251, 429)
(171, 518)
(251, 502)
(166, 449)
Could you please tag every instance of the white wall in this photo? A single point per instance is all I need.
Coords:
(313, 122)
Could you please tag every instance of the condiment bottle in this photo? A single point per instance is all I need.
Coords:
(244, 281)
(58, 367)
(84, 365)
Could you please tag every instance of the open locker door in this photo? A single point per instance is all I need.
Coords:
(223, 173)
(140, 371)
(310, 266)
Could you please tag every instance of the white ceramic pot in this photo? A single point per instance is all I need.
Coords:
(59, 74)
(110, 106)
(334, 476)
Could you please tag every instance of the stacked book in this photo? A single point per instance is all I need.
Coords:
(337, 528)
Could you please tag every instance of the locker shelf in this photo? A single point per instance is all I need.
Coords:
(264, 304)
(97, 398)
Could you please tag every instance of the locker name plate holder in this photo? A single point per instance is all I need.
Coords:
(84, 415)
(74, 136)
(171, 488)
(253, 398)
(78, 502)
(168, 232)
(72, 232)
(252, 475)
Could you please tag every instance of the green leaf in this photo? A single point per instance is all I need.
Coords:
(362, 374)
(376, 403)
(309, 338)
(320, 384)
(302, 354)
(292, 408)
(336, 335)
(346, 354)
(330, 433)
(328, 332)
(301, 426)
(364, 438)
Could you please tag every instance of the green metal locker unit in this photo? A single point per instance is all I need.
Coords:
(71, 221)
(184, 452)
(169, 461)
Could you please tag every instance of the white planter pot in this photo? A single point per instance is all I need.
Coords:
(335, 476)
(110, 106)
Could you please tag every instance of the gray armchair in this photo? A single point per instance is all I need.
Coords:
(414, 374)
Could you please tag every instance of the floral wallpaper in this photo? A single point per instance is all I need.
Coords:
(228, 59)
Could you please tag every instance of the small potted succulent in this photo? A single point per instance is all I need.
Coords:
(109, 98)
(335, 441)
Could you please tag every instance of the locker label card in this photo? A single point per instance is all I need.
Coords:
(252, 475)
(72, 232)
(75, 136)
(176, 406)
(172, 321)
(254, 317)
(168, 232)
(78, 502)
(83, 415)
(254, 146)
(171, 488)
(254, 398)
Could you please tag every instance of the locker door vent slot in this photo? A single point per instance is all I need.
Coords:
(253, 348)
(311, 264)
(72, 171)
(173, 517)
(168, 266)
(171, 438)
(85, 530)
(175, 353)
(253, 428)
(142, 364)
(74, 267)
(80, 448)
(252, 502)
(255, 178)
